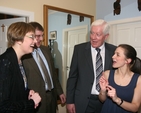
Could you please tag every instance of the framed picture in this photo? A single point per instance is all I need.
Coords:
(53, 35)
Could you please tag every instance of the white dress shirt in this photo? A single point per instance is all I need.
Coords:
(94, 53)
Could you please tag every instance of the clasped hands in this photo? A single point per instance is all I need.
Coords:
(35, 97)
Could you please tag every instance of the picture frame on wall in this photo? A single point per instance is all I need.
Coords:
(53, 35)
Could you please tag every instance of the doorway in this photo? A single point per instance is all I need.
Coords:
(4, 23)
(127, 31)
(17, 12)
(71, 37)
(7, 17)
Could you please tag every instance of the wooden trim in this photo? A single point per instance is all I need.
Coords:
(45, 18)
(45, 24)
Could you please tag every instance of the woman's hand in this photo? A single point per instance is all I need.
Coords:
(112, 93)
(103, 82)
(35, 97)
(31, 92)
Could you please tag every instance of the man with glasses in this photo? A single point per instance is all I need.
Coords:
(41, 74)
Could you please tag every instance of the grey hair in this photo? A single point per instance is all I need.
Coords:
(106, 27)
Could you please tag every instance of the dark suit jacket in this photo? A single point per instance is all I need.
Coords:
(81, 76)
(36, 82)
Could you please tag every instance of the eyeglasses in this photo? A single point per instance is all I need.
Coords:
(31, 36)
(38, 36)
(97, 34)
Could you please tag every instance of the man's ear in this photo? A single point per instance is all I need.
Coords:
(106, 36)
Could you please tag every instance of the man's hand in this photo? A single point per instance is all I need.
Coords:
(71, 108)
(63, 98)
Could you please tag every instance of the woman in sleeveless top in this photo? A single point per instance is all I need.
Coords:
(120, 88)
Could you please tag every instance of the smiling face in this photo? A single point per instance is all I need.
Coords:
(97, 37)
(119, 58)
(28, 43)
(39, 37)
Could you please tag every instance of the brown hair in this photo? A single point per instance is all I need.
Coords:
(130, 52)
(17, 32)
(37, 26)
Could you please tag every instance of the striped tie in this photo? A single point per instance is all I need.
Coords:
(99, 68)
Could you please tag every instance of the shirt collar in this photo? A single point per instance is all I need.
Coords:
(101, 47)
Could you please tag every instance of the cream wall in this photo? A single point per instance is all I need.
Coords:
(36, 6)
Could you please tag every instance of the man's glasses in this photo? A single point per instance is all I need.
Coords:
(38, 36)
(96, 34)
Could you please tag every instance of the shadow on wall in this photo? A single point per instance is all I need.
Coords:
(57, 59)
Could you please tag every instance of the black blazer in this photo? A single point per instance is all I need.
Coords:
(13, 96)
(81, 76)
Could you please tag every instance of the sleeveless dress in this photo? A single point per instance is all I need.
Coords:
(124, 92)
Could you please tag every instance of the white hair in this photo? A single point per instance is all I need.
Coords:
(106, 26)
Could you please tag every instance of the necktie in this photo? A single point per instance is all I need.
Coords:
(99, 68)
(45, 71)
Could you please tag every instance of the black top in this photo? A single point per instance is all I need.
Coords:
(13, 96)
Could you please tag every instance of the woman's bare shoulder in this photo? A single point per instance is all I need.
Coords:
(139, 79)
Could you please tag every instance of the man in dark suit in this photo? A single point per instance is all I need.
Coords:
(35, 74)
(82, 96)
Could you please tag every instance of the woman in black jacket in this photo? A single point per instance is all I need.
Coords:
(15, 97)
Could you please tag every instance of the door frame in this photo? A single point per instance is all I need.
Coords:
(64, 52)
(3, 33)
(12, 11)
(113, 24)
(45, 17)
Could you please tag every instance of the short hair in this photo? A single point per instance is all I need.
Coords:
(17, 31)
(37, 26)
(106, 26)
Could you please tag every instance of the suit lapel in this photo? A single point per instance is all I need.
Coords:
(88, 55)
(34, 65)
(108, 60)
(46, 54)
